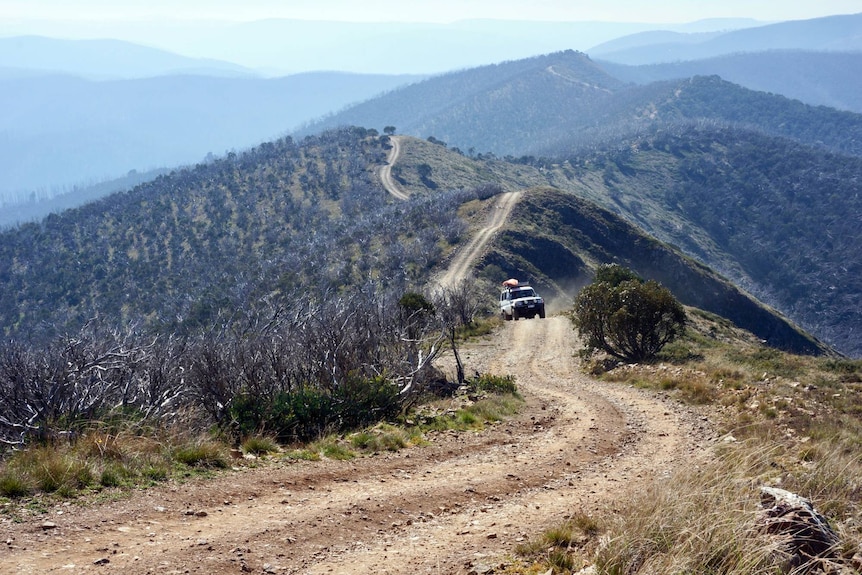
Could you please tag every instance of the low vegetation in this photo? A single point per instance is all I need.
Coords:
(108, 409)
(100, 457)
(621, 314)
(780, 420)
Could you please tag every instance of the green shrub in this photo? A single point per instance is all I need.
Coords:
(364, 440)
(494, 408)
(678, 353)
(412, 302)
(201, 455)
(258, 445)
(392, 442)
(560, 560)
(334, 450)
(467, 418)
(843, 366)
(363, 401)
(626, 317)
(82, 475)
(300, 415)
(110, 477)
(51, 470)
(154, 472)
(302, 455)
(308, 413)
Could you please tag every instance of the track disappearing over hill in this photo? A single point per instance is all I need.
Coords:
(465, 257)
(386, 170)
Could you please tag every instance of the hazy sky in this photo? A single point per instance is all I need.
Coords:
(667, 11)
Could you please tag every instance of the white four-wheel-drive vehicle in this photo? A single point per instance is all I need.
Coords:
(519, 300)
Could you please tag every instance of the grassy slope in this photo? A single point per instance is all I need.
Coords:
(784, 420)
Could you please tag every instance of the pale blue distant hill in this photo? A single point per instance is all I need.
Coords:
(399, 47)
(58, 131)
(832, 33)
(831, 79)
(105, 59)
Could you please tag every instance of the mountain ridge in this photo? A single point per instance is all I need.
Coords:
(815, 78)
(104, 59)
(659, 181)
(524, 108)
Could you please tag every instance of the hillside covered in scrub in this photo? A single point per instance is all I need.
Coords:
(713, 193)
(556, 104)
(195, 247)
(203, 248)
(759, 187)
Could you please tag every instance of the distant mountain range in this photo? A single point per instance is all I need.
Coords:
(832, 79)
(283, 46)
(78, 112)
(103, 60)
(59, 131)
(565, 101)
(828, 34)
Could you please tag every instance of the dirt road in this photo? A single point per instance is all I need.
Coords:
(464, 257)
(467, 499)
(386, 171)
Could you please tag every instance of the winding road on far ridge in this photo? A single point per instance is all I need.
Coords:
(386, 170)
(464, 257)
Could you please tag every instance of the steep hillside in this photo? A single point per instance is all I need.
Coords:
(194, 248)
(199, 248)
(557, 240)
(36, 206)
(776, 218)
(509, 108)
(562, 259)
(709, 100)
